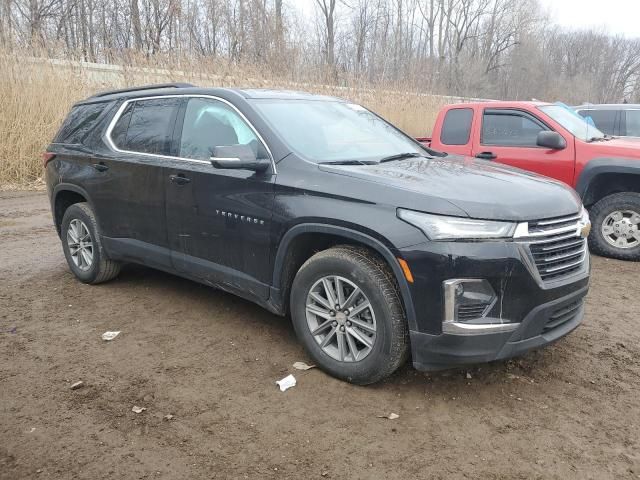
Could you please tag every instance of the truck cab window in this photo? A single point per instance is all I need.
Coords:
(509, 129)
(456, 127)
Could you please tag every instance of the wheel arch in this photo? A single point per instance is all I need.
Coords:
(605, 176)
(64, 195)
(289, 258)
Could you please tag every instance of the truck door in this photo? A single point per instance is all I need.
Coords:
(509, 136)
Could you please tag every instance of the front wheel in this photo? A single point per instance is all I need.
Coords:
(616, 226)
(347, 312)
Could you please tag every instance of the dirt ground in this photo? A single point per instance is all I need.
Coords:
(210, 360)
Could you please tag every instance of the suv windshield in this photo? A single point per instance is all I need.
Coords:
(573, 122)
(327, 131)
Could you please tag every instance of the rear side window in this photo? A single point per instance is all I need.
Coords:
(79, 123)
(146, 126)
(456, 127)
(509, 129)
(633, 123)
(605, 120)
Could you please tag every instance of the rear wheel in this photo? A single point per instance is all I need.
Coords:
(82, 246)
(347, 312)
(616, 226)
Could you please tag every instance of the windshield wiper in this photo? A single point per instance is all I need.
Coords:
(400, 156)
(349, 162)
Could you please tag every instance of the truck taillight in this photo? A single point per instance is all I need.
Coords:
(47, 157)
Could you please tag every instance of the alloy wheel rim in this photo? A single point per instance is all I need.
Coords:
(621, 229)
(80, 244)
(341, 319)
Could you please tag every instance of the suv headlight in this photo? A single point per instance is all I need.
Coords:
(439, 227)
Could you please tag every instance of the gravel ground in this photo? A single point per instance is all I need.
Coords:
(209, 359)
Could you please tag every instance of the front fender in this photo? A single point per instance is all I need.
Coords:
(601, 166)
(353, 235)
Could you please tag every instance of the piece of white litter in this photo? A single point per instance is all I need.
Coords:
(302, 366)
(108, 336)
(286, 383)
(391, 416)
(137, 409)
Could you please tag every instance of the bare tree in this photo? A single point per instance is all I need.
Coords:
(488, 48)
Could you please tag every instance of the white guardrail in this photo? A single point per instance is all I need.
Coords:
(113, 76)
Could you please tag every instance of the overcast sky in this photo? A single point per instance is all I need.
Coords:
(617, 16)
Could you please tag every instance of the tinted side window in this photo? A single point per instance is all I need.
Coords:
(456, 127)
(509, 129)
(210, 123)
(79, 123)
(119, 131)
(605, 120)
(150, 126)
(633, 123)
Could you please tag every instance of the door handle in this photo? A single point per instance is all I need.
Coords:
(179, 179)
(486, 155)
(101, 167)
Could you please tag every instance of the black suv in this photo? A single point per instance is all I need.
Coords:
(315, 207)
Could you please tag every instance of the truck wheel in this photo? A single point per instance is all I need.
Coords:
(82, 247)
(347, 312)
(616, 226)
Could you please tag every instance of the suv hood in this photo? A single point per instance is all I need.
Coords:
(478, 188)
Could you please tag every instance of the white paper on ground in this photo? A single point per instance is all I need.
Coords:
(302, 366)
(391, 416)
(286, 383)
(108, 336)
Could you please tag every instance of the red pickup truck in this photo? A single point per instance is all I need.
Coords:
(552, 140)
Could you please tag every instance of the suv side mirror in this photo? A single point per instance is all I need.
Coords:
(549, 139)
(238, 157)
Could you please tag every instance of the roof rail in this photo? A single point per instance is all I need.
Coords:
(143, 87)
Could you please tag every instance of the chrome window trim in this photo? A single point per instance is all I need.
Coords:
(116, 117)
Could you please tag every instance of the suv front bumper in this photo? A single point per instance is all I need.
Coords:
(436, 352)
(535, 313)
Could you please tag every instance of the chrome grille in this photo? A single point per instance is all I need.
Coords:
(556, 246)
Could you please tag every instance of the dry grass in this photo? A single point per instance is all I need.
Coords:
(36, 95)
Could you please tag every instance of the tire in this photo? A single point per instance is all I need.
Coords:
(600, 214)
(385, 319)
(80, 218)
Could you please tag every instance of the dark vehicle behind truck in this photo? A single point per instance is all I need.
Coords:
(319, 209)
(620, 120)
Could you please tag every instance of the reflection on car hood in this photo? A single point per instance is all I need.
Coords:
(479, 188)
